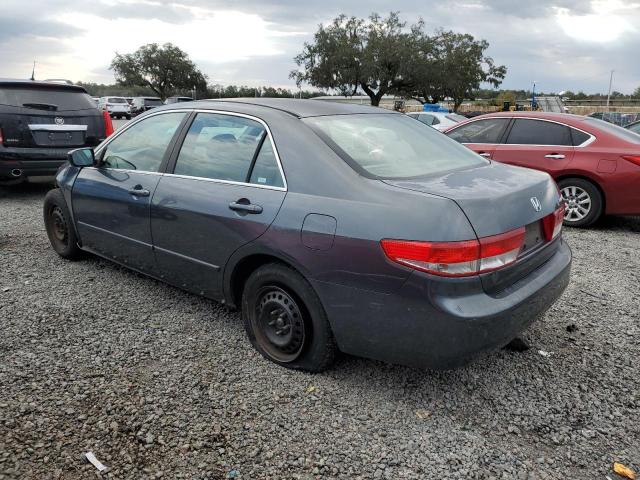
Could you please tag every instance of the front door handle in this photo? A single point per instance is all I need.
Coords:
(484, 154)
(245, 206)
(138, 191)
(557, 156)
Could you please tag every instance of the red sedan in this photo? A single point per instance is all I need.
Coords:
(595, 163)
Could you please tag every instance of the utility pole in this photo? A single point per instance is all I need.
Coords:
(33, 72)
(533, 97)
(609, 94)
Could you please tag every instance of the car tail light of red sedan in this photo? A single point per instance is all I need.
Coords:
(457, 259)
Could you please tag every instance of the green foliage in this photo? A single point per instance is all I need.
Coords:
(165, 70)
(350, 53)
(636, 93)
(381, 55)
(505, 96)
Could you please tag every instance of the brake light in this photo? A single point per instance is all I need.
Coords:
(457, 259)
(108, 124)
(632, 158)
(552, 223)
(1, 137)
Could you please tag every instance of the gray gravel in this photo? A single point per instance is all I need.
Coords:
(160, 383)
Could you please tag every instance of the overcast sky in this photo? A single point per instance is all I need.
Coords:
(560, 44)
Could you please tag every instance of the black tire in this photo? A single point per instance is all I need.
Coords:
(128, 117)
(57, 221)
(583, 202)
(285, 321)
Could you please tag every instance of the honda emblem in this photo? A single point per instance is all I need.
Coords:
(537, 206)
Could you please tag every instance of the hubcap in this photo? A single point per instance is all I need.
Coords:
(280, 324)
(59, 225)
(577, 203)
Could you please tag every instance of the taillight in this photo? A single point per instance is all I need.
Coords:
(457, 259)
(1, 137)
(552, 223)
(108, 124)
(632, 158)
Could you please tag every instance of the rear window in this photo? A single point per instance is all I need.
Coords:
(116, 100)
(152, 101)
(538, 132)
(610, 128)
(45, 98)
(391, 146)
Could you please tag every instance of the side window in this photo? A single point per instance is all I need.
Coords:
(142, 146)
(480, 131)
(435, 121)
(266, 171)
(219, 147)
(538, 132)
(579, 137)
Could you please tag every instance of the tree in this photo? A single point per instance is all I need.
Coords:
(351, 53)
(636, 93)
(462, 60)
(164, 69)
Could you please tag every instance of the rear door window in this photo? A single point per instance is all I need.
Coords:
(47, 98)
(579, 137)
(489, 130)
(538, 132)
(225, 147)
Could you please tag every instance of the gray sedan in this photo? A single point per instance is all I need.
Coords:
(332, 227)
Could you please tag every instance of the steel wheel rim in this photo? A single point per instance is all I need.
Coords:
(59, 228)
(577, 203)
(279, 324)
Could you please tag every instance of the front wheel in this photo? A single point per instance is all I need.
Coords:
(57, 221)
(285, 321)
(583, 202)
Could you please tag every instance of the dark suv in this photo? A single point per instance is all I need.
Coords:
(39, 123)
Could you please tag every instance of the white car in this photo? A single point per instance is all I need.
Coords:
(117, 107)
(438, 120)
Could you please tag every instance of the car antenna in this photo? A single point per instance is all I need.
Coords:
(33, 71)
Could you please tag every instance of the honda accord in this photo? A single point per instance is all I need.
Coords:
(332, 227)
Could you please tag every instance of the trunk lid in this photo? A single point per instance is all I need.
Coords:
(495, 198)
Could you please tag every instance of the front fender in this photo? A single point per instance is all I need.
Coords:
(65, 178)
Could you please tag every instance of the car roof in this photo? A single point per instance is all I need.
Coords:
(297, 107)
(17, 82)
(558, 117)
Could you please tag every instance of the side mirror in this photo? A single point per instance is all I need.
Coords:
(81, 157)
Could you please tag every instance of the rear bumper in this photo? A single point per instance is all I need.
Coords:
(440, 323)
(31, 161)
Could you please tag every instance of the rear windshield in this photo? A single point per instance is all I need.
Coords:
(46, 98)
(389, 146)
(116, 100)
(152, 101)
(610, 128)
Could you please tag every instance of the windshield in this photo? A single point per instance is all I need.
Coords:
(46, 98)
(610, 128)
(116, 100)
(391, 146)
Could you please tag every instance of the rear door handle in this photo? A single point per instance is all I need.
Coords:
(558, 156)
(484, 154)
(245, 207)
(138, 191)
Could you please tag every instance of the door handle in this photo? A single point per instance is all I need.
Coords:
(484, 154)
(557, 156)
(138, 191)
(245, 207)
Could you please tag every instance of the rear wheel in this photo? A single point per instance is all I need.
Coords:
(583, 202)
(57, 221)
(285, 321)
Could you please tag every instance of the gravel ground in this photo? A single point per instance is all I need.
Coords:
(160, 383)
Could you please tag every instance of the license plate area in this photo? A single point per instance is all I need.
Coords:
(533, 237)
(44, 138)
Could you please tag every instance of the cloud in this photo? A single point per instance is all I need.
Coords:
(562, 44)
